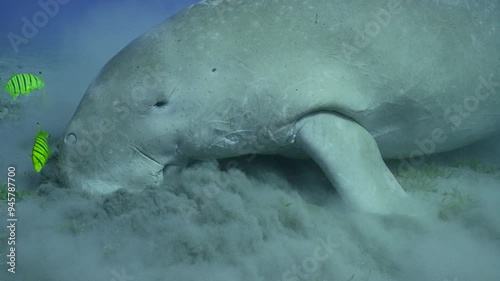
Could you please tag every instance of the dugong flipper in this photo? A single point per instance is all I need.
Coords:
(350, 158)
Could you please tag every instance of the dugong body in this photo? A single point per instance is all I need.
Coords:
(346, 83)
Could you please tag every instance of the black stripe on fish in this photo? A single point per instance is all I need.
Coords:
(39, 162)
(13, 83)
(20, 83)
(26, 81)
(37, 152)
(42, 143)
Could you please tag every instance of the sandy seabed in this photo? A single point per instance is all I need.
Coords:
(267, 219)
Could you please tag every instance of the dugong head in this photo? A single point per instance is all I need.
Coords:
(131, 124)
(153, 107)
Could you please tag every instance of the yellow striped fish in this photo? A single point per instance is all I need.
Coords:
(41, 152)
(23, 84)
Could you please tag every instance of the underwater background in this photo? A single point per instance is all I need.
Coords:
(248, 218)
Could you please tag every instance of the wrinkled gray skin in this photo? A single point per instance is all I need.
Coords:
(343, 82)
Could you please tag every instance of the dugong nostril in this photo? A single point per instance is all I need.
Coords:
(70, 139)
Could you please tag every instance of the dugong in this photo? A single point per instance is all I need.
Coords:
(346, 83)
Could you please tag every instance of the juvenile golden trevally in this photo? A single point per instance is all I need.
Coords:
(41, 152)
(23, 84)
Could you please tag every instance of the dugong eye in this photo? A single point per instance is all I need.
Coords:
(160, 103)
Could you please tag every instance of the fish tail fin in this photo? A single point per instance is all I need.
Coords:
(42, 131)
(40, 127)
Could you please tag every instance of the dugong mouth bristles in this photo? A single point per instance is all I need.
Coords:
(142, 153)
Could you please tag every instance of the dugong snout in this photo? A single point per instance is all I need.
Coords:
(88, 162)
